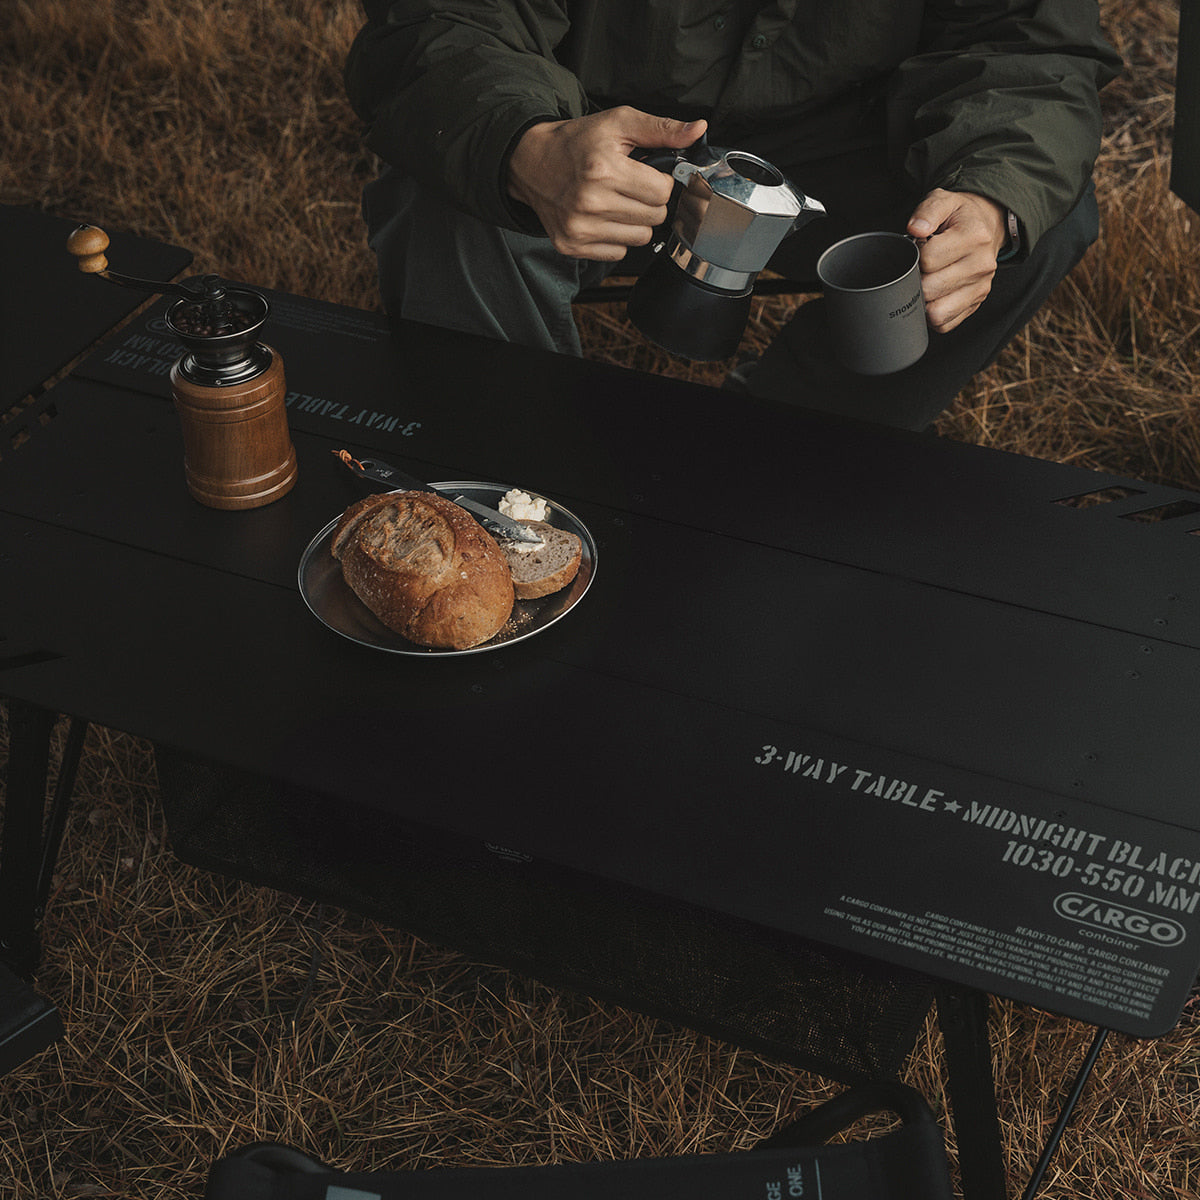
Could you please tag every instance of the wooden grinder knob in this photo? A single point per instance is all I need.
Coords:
(88, 244)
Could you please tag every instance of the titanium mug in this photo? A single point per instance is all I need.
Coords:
(872, 285)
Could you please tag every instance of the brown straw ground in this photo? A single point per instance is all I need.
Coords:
(192, 1022)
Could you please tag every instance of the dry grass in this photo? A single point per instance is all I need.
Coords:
(192, 1026)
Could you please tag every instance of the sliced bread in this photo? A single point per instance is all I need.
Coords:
(547, 568)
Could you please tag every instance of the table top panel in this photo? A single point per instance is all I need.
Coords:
(900, 700)
(918, 507)
(1029, 696)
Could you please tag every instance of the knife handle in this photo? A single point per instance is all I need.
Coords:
(377, 472)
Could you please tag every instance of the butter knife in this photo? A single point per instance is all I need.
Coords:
(493, 521)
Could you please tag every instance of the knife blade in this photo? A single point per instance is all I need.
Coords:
(491, 519)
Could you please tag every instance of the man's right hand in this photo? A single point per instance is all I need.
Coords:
(592, 198)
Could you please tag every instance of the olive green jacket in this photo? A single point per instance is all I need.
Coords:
(998, 97)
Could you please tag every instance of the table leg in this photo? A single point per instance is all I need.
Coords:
(56, 822)
(28, 1022)
(31, 842)
(29, 729)
(963, 1017)
(1068, 1108)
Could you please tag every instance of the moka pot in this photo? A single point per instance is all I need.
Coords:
(730, 217)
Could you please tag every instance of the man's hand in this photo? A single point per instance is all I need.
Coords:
(961, 235)
(592, 198)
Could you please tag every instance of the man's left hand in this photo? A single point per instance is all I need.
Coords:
(961, 234)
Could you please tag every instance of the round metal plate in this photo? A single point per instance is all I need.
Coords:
(331, 601)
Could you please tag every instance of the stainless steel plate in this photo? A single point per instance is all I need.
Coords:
(333, 603)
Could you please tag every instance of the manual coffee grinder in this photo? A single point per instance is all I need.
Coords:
(228, 387)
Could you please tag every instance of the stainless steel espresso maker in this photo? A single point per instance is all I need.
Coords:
(730, 217)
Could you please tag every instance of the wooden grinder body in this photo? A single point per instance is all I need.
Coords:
(237, 450)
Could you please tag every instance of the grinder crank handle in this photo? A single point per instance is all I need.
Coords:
(88, 243)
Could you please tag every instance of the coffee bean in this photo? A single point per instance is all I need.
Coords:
(197, 320)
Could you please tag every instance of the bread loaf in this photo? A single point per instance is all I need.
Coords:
(425, 567)
(546, 569)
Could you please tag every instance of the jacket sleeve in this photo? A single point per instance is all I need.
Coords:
(445, 89)
(1003, 100)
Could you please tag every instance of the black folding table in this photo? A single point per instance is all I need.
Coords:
(918, 702)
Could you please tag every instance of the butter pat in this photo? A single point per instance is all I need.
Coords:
(521, 506)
